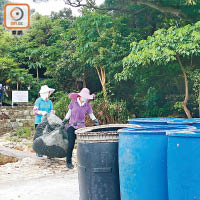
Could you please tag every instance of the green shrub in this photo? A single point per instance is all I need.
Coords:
(61, 104)
(154, 104)
(108, 111)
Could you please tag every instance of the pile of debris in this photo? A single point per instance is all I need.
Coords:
(51, 137)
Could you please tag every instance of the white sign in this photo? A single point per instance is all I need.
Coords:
(19, 96)
(17, 16)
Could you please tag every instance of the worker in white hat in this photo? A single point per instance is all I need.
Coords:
(43, 105)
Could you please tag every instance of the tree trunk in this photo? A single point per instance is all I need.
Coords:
(84, 81)
(102, 77)
(17, 85)
(184, 103)
(37, 70)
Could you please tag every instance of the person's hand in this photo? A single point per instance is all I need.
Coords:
(96, 122)
(64, 121)
(43, 113)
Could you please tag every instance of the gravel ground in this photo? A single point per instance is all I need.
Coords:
(34, 178)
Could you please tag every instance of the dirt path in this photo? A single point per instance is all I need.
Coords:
(33, 178)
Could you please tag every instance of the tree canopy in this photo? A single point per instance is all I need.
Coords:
(139, 59)
(173, 45)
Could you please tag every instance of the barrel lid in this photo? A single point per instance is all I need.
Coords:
(104, 128)
(184, 133)
(102, 133)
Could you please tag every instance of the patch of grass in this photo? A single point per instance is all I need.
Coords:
(24, 132)
(13, 139)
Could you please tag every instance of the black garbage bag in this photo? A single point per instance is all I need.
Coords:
(51, 138)
(40, 129)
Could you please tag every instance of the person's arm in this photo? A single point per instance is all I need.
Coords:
(52, 111)
(91, 114)
(68, 115)
(5, 92)
(94, 119)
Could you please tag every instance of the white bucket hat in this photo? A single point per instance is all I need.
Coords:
(45, 89)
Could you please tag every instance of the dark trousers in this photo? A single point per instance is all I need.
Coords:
(1, 99)
(71, 138)
(35, 135)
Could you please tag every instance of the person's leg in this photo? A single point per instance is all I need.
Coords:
(35, 135)
(71, 139)
(38, 132)
(1, 100)
(37, 154)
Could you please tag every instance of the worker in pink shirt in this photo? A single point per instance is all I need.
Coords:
(78, 108)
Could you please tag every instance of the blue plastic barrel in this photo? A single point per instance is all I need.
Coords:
(143, 163)
(184, 165)
(150, 121)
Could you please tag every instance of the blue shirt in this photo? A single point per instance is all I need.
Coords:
(42, 106)
(2, 90)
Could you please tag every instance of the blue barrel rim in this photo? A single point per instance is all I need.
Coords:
(153, 119)
(148, 132)
(184, 133)
(181, 122)
(184, 121)
(160, 126)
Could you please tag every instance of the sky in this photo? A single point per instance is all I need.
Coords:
(45, 8)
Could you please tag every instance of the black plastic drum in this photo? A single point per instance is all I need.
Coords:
(97, 153)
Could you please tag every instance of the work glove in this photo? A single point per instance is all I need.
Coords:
(96, 122)
(42, 113)
(64, 122)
